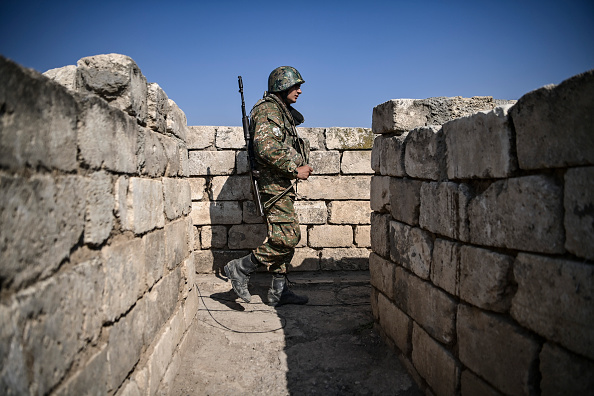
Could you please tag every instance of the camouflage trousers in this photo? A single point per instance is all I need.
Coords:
(283, 235)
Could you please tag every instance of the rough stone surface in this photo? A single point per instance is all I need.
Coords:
(311, 212)
(356, 162)
(173, 149)
(229, 138)
(224, 212)
(554, 299)
(315, 137)
(325, 162)
(349, 138)
(411, 248)
(65, 76)
(176, 242)
(331, 236)
(176, 121)
(152, 159)
(140, 204)
(382, 274)
(211, 163)
(363, 236)
(99, 219)
(247, 236)
(380, 239)
(445, 265)
(305, 259)
(200, 137)
(344, 258)
(230, 188)
(380, 193)
(349, 212)
(157, 108)
(197, 188)
(444, 209)
(250, 215)
(395, 323)
(154, 253)
(424, 155)
(579, 211)
(342, 187)
(405, 200)
(391, 155)
(91, 379)
(564, 373)
(177, 197)
(213, 237)
(471, 385)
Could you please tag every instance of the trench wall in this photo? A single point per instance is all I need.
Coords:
(483, 240)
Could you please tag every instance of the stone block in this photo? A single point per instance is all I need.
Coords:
(223, 212)
(247, 236)
(65, 76)
(325, 162)
(564, 373)
(391, 155)
(380, 235)
(42, 219)
(140, 204)
(117, 79)
(349, 139)
(560, 118)
(91, 379)
(160, 304)
(380, 193)
(434, 363)
(208, 261)
(395, 323)
(524, 213)
(485, 278)
(197, 188)
(157, 108)
(315, 137)
(405, 200)
(471, 385)
(497, 350)
(427, 305)
(230, 188)
(363, 236)
(160, 358)
(375, 153)
(411, 248)
(200, 137)
(445, 266)
(480, 146)
(213, 237)
(444, 209)
(579, 211)
(554, 299)
(211, 163)
(99, 219)
(424, 155)
(176, 242)
(328, 187)
(242, 165)
(152, 159)
(177, 197)
(331, 236)
(341, 259)
(381, 272)
(177, 124)
(172, 149)
(349, 212)
(356, 162)
(303, 241)
(229, 138)
(311, 212)
(305, 259)
(154, 253)
(250, 215)
(38, 121)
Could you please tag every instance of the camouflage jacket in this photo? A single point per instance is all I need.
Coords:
(277, 147)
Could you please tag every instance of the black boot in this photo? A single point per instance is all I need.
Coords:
(238, 271)
(280, 294)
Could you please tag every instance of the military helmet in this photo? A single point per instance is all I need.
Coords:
(283, 78)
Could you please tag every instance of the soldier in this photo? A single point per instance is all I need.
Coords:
(282, 156)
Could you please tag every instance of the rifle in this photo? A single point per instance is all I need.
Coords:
(254, 173)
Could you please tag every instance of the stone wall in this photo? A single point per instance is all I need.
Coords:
(483, 240)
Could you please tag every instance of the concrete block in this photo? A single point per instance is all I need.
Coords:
(578, 199)
(395, 323)
(356, 162)
(427, 305)
(411, 248)
(157, 108)
(177, 197)
(200, 137)
(485, 278)
(497, 350)
(331, 236)
(524, 213)
(99, 219)
(211, 163)
(177, 124)
(38, 120)
(152, 159)
(444, 209)
(197, 188)
(223, 212)
(325, 162)
(315, 137)
(176, 242)
(154, 253)
(311, 212)
(363, 236)
(342, 187)
(381, 272)
(65, 76)
(380, 193)
(117, 79)
(560, 118)
(434, 363)
(305, 259)
(349, 139)
(140, 204)
(425, 152)
(247, 236)
(250, 214)
(229, 138)
(380, 235)
(405, 200)
(349, 212)
(471, 385)
(445, 266)
(391, 155)
(213, 237)
(341, 259)
(564, 373)
(230, 188)
(554, 299)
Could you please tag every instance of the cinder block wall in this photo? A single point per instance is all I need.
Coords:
(483, 240)
(96, 270)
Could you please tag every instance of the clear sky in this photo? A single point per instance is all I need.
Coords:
(353, 55)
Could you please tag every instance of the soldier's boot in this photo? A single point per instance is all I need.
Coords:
(280, 294)
(238, 271)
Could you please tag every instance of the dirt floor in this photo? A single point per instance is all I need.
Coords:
(327, 347)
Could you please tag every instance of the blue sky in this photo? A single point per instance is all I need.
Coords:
(353, 55)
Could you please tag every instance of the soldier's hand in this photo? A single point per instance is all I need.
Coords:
(304, 171)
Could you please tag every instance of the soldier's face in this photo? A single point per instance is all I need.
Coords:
(294, 93)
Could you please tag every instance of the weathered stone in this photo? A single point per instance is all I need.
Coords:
(160, 304)
(381, 272)
(363, 236)
(411, 248)
(497, 350)
(342, 187)
(434, 363)
(230, 188)
(200, 137)
(311, 212)
(405, 200)
(242, 165)
(213, 237)
(224, 212)
(325, 162)
(172, 148)
(445, 265)
(375, 153)
(91, 379)
(140, 204)
(380, 236)
(177, 124)
(356, 162)
(349, 138)
(117, 79)
(157, 108)
(485, 278)
(444, 209)
(560, 119)
(437, 315)
(211, 163)
(524, 213)
(554, 299)
(391, 155)
(303, 241)
(349, 212)
(65, 76)
(176, 243)
(99, 217)
(344, 258)
(380, 193)
(247, 236)
(424, 155)
(197, 188)
(154, 253)
(331, 236)
(208, 261)
(305, 259)
(395, 324)
(250, 214)
(151, 156)
(315, 137)
(564, 373)
(177, 197)
(471, 385)
(579, 211)
(229, 138)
